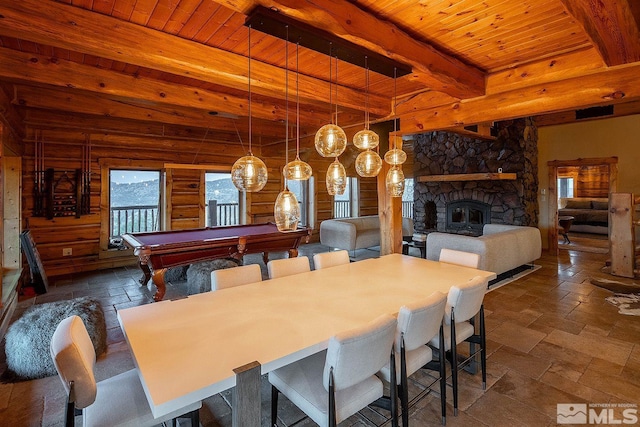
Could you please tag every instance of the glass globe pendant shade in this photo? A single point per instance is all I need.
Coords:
(297, 170)
(249, 173)
(395, 157)
(336, 179)
(368, 164)
(286, 211)
(395, 181)
(366, 139)
(330, 141)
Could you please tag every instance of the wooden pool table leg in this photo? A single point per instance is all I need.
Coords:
(158, 279)
(293, 253)
(146, 273)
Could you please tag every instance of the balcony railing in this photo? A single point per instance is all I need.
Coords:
(407, 209)
(223, 213)
(133, 219)
(342, 209)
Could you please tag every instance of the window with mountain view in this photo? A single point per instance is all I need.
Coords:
(221, 200)
(134, 200)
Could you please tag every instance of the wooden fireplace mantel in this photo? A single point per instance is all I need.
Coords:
(486, 176)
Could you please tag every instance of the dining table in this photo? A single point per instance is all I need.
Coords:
(191, 348)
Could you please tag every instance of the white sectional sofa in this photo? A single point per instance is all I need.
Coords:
(356, 233)
(501, 247)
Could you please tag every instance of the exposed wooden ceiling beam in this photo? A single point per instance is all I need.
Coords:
(619, 110)
(431, 67)
(55, 24)
(610, 86)
(611, 26)
(105, 106)
(31, 68)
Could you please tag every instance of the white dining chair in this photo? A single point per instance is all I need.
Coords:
(465, 259)
(330, 259)
(236, 276)
(288, 266)
(464, 303)
(117, 401)
(418, 323)
(332, 385)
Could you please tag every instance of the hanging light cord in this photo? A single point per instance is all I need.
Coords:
(297, 101)
(330, 83)
(286, 90)
(336, 89)
(395, 102)
(249, 75)
(366, 99)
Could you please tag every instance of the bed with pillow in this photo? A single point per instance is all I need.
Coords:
(591, 214)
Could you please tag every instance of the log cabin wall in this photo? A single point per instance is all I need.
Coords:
(590, 181)
(125, 144)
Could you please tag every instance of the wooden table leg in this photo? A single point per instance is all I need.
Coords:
(158, 279)
(146, 273)
(293, 253)
(246, 396)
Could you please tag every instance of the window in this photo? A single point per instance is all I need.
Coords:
(134, 200)
(221, 200)
(304, 193)
(346, 205)
(407, 198)
(565, 187)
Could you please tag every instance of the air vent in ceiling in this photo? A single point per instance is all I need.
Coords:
(593, 112)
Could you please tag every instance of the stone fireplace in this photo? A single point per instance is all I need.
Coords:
(464, 206)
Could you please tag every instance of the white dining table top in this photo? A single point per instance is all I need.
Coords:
(186, 349)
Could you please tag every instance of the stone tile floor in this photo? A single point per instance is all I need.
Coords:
(552, 338)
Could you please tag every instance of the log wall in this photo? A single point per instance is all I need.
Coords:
(119, 143)
(589, 181)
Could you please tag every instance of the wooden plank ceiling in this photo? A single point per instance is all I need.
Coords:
(186, 61)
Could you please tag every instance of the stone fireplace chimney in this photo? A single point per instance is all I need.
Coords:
(460, 206)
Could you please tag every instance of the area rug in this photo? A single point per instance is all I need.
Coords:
(626, 295)
(28, 338)
(628, 304)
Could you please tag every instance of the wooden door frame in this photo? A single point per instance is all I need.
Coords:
(552, 207)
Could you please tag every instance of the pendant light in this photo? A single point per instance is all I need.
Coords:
(249, 173)
(336, 178)
(298, 169)
(394, 180)
(286, 210)
(331, 140)
(366, 138)
(368, 163)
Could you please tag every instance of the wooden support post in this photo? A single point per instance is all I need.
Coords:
(622, 237)
(246, 396)
(389, 210)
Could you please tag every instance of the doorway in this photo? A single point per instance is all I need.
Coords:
(580, 180)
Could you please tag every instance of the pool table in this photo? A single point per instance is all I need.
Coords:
(157, 251)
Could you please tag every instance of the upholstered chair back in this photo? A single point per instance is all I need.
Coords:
(74, 358)
(465, 259)
(288, 266)
(330, 259)
(236, 276)
(420, 321)
(359, 353)
(465, 300)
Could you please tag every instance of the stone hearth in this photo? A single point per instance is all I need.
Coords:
(511, 201)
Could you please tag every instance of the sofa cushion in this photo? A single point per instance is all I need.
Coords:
(600, 205)
(578, 204)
